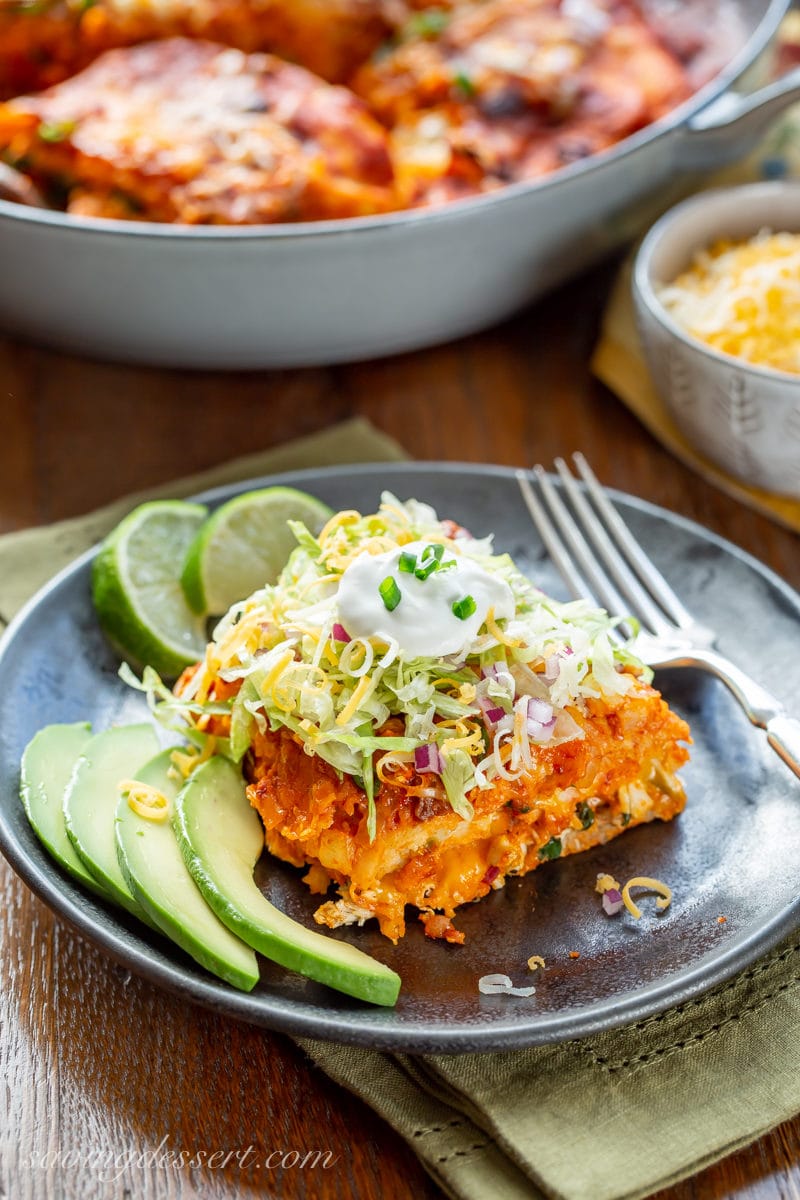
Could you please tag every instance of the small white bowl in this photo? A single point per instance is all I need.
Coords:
(743, 417)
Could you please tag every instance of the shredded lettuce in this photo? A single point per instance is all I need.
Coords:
(305, 539)
(337, 697)
(175, 714)
(458, 777)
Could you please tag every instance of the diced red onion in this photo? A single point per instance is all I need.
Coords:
(492, 712)
(540, 711)
(427, 758)
(541, 720)
(540, 732)
(552, 667)
(501, 985)
(494, 985)
(498, 671)
(340, 634)
(613, 902)
(491, 875)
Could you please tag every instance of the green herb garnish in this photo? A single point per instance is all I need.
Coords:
(429, 560)
(55, 131)
(408, 562)
(464, 608)
(465, 85)
(426, 24)
(584, 814)
(551, 849)
(390, 593)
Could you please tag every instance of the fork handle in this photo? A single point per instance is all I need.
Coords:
(763, 709)
(783, 734)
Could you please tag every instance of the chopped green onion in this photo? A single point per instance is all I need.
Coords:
(585, 815)
(464, 608)
(408, 562)
(55, 131)
(551, 849)
(464, 85)
(445, 566)
(429, 560)
(425, 572)
(390, 593)
(426, 24)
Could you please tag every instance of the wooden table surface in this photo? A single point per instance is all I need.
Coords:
(94, 1060)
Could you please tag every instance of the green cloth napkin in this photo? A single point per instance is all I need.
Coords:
(608, 1118)
(32, 556)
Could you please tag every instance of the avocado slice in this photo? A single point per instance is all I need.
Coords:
(156, 874)
(90, 803)
(48, 761)
(221, 839)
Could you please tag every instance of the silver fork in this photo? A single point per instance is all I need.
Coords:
(600, 560)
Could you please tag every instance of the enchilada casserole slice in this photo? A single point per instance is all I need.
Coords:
(478, 95)
(189, 131)
(419, 722)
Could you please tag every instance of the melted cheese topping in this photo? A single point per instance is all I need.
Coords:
(744, 299)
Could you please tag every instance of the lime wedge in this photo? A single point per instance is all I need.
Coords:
(137, 589)
(245, 544)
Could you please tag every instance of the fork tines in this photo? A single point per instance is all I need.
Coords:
(595, 552)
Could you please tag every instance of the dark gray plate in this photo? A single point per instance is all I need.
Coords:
(735, 851)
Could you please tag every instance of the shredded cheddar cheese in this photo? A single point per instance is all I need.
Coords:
(497, 633)
(744, 299)
(365, 685)
(347, 517)
(472, 743)
(391, 762)
(607, 883)
(535, 961)
(144, 799)
(276, 672)
(242, 637)
(652, 885)
(188, 760)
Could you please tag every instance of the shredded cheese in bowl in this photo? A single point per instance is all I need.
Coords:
(743, 298)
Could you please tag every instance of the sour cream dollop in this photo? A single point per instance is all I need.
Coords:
(423, 623)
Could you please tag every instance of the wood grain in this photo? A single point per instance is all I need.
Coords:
(76, 434)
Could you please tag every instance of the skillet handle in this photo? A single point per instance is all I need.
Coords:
(783, 734)
(731, 126)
